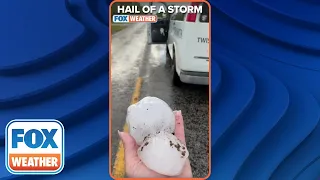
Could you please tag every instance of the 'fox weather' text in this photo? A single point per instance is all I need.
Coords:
(34, 147)
(134, 18)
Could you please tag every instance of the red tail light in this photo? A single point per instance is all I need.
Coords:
(191, 17)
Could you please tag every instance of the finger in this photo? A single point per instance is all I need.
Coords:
(130, 147)
(179, 130)
(187, 171)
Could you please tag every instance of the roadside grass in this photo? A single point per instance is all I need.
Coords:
(117, 27)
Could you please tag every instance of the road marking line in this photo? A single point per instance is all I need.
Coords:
(119, 163)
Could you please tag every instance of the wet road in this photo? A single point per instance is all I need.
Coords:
(133, 57)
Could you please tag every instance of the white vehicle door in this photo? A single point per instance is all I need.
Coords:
(196, 41)
(175, 30)
(170, 34)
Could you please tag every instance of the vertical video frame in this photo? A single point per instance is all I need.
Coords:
(160, 89)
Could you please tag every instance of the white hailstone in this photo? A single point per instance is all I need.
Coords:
(163, 153)
(148, 116)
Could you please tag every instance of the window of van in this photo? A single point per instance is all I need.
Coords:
(180, 16)
(172, 16)
(204, 17)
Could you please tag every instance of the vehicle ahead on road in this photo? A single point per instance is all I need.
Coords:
(159, 30)
(188, 46)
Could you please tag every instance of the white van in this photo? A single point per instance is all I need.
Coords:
(188, 46)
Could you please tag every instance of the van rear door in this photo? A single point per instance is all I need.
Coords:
(197, 40)
(158, 31)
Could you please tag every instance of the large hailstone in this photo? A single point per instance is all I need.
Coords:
(148, 116)
(163, 153)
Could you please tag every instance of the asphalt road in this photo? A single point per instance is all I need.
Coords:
(133, 57)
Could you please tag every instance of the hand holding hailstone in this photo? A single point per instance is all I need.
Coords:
(151, 149)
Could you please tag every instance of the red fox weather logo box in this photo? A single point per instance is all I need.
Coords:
(34, 146)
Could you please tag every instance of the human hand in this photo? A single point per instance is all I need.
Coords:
(133, 164)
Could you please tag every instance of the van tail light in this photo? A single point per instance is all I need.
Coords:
(191, 17)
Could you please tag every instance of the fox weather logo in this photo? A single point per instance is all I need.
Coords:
(34, 146)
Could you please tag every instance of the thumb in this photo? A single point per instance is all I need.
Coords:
(130, 147)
